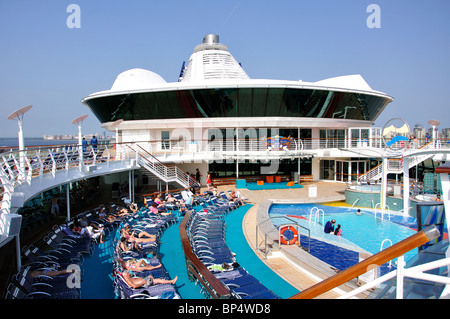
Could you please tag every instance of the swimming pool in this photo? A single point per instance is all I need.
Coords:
(362, 233)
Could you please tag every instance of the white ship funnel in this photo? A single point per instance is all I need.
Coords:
(212, 61)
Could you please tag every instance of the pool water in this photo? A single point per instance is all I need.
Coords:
(359, 232)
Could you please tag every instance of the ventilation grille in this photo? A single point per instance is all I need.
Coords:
(221, 65)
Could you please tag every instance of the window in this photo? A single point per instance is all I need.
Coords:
(232, 102)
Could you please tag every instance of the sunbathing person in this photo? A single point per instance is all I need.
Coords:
(154, 209)
(51, 272)
(235, 198)
(158, 201)
(124, 212)
(133, 207)
(138, 282)
(173, 200)
(111, 219)
(126, 232)
(93, 232)
(139, 235)
(126, 246)
(139, 265)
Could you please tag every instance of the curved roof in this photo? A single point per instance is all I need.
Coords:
(352, 82)
(136, 79)
(211, 67)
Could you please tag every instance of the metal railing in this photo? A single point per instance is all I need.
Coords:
(392, 252)
(396, 165)
(170, 173)
(270, 232)
(18, 167)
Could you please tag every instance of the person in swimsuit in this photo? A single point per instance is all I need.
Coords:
(50, 272)
(143, 237)
(126, 246)
(337, 231)
(158, 201)
(154, 209)
(138, 282)
(139, 265)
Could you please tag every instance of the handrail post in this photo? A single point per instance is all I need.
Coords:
(400, 276)
(265, 246)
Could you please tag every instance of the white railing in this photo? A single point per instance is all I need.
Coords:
(17, 168)
(278, 146)
(166, 173)
(38, 161)
(382, 211)
(387, 240)
(395, 166)
(416, 272)
(315, 213)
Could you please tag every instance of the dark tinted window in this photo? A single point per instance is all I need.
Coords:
(242, 102)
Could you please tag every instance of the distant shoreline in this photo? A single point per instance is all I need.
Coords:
(35, 141)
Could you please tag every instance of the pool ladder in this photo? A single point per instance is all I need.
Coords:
(316, 212)
(359, 198)
(381, 248)
(383, 210)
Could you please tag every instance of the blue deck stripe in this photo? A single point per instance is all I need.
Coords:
(248, 259)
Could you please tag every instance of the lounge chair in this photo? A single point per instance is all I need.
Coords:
(253, 291)
(124, 291)
(44, 289)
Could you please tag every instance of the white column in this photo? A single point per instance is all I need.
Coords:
(129, 185)
(406, 186)
(118, 152)
(18, 252)
(21, 151)
(349, 171)
(237, 150)
(68, 200)
(80, 147)
(446, 198)
(384, 183)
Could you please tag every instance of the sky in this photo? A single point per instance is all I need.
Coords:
(48, 63)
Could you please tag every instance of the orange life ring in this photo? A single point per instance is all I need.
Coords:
(284, 240)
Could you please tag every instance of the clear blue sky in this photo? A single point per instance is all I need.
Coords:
(52, 67)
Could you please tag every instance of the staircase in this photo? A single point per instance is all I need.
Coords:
(394, 166)
(165, 173)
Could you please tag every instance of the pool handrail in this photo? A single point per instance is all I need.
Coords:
(397, 250)
(381, 248)
(266, 251)
(317, 215)
(382, 211)
(197, 269)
